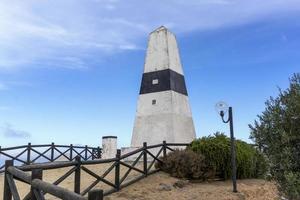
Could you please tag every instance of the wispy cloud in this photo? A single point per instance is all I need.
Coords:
(63, 33)
(9, 131)
(8, 85)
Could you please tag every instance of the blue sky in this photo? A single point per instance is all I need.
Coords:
(70, 70)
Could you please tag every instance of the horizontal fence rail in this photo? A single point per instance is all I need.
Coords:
(38, 187)
(30, 154)
(146, 156)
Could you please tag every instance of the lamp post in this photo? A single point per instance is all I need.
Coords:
(222, 108)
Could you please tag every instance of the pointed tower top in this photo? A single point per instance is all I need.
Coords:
(161, 28)
(162, 52)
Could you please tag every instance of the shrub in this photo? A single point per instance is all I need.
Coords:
(276, 133)
(184, 164)
(216, 151)
(291, 184)
(250, 162)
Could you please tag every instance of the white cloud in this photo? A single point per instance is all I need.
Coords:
(63, 33)
(8, 85)
(9, 131)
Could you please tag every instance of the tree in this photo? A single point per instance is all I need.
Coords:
(277, 134)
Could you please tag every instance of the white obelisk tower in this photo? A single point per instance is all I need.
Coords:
(163, 110)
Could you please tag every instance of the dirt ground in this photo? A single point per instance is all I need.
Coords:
(86, 179)
(161, 186)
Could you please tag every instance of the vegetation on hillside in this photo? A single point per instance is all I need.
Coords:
(209, 157)
(184, 164)
(277, 134)
(216, 150)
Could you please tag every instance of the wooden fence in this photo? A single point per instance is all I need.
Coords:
(29, 154)
(39, 188)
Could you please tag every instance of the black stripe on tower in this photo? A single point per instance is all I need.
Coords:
(163, 80)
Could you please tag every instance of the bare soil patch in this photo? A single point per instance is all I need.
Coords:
(153, 188)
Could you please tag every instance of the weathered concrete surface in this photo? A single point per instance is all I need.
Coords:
(109, 147)
(162, 52)
(170, 117)
(125, 150)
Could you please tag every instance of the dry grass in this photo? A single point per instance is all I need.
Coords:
(146, 189)
(149, 188)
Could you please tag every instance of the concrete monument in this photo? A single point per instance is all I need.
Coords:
(163, 110)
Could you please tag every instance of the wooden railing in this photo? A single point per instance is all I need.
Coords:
(38, 187)
(149, 155)
(29, 154)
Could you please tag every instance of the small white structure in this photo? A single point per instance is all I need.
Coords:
(109, 147)
(125, 150)
(163, 110)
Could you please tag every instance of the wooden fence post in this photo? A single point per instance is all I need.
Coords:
(85, 152)
(145, 158)
(7, 195)
(164, 149)
(77, 175)
(35, 174)
(117, 170)
(52, 151)
(99, 152)
(95, 195)
(71, 152)
(28, 153)
(93, 153)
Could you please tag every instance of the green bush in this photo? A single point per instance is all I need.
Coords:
(291, 184)
(276, 133)
(216, 151)
(184, 164)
